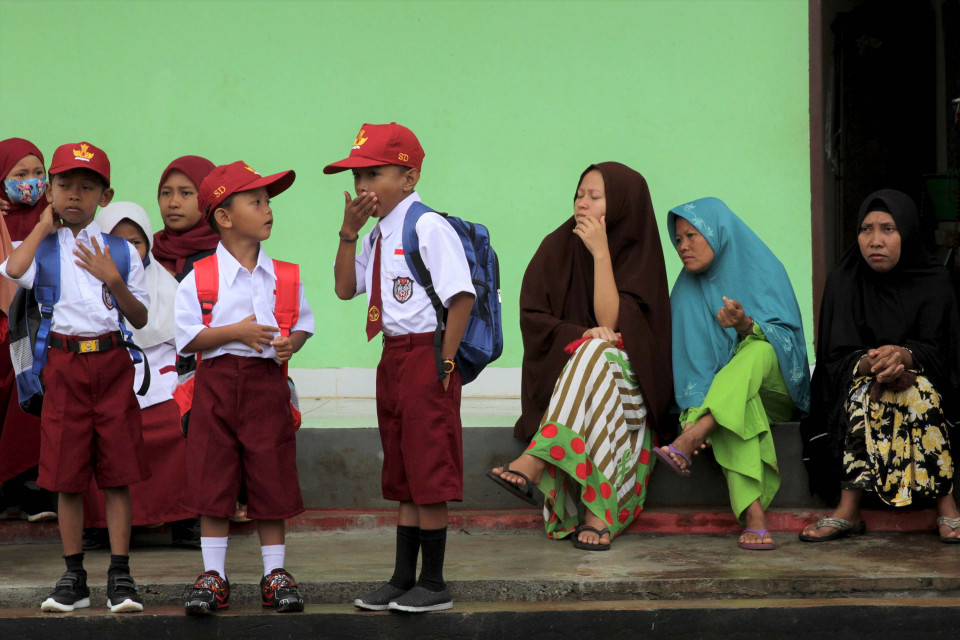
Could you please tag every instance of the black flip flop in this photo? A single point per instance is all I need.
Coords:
(525, 495)
(587, 546)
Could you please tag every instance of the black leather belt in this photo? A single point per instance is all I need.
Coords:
(87, 346)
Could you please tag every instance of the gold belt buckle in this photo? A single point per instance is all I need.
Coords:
(89, 346)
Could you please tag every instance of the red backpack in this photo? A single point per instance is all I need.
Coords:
(286, 311)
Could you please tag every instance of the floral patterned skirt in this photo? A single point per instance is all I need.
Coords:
(595, 441)
(896, 445)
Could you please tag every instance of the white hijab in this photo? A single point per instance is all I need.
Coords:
(160, 284)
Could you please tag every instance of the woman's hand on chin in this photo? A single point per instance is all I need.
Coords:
(593, 232)
(602, 333)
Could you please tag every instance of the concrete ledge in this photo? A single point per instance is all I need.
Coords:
(736, 620)
(340, 469)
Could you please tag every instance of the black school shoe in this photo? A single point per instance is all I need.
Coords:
(70, 592)
(122, 594)
(380, 599)
(421, 600)
(209, 594)
(280, 592)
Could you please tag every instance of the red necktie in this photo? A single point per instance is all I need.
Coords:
(374, 313)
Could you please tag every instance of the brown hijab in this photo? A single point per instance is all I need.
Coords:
(556, 299)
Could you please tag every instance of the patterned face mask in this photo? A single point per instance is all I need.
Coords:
(26, 192)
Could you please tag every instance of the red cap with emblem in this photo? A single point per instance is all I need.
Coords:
(80, 155)
(380, 144)
(228, 179)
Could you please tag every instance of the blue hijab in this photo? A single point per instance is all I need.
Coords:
(743, 269)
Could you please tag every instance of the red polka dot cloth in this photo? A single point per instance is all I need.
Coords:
(595, 441)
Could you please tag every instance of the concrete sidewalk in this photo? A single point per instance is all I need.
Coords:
(333, 567)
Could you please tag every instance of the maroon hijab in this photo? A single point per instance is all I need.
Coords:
(556, 299)
(20, 219)
(173, 248)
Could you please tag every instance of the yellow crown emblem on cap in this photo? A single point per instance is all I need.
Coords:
(82, 152)
(251, 169)
(359, 139)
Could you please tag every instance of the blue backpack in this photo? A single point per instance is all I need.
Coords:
(482, 341)
(31, 314)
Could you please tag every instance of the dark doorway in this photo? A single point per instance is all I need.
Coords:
(883, 76)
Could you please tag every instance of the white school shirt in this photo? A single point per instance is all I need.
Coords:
(241, 294)
(85, 308)
(406, 305)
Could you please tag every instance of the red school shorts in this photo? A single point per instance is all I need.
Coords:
(419, 422)
(90, 423)
(241, 429)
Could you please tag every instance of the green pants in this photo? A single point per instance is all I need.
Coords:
(746, 396)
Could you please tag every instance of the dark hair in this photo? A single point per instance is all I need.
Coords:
(211, 220)
(83, 170)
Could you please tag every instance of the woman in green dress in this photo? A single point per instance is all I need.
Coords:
(596, 289)
(739, 357)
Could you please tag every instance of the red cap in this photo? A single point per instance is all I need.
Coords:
(380, 144)
(228, 179)
(80, 155)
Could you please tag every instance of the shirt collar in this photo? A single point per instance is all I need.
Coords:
(229, 266)
(394, 220)
(89, 231)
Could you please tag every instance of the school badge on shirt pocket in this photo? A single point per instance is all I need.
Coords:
(402, 289)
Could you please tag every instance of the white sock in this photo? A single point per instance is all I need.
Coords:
(214, 554)
(273, 555)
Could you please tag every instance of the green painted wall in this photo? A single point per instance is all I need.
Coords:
(511, 100)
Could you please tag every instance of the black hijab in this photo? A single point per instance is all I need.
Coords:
(912, 306)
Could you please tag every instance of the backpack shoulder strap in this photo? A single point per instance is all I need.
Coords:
(287, 308)
(207, 274)
(411, 243)
(120, 254)
(46, 290)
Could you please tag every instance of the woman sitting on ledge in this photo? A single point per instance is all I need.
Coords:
(596, 288)
(887, 375)
(739, 357)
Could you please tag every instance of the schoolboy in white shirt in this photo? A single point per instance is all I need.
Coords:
(241, 426)
(418, 407)
(90, 421)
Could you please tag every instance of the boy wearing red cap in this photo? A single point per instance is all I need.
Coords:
(90, 421)
(418, 407)
(241, 426)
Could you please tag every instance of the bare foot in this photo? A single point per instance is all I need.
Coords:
(528, 465)
(589, 537)
(755, 519)
(947, 508)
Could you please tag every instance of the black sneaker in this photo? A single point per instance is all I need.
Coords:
(122, 595)
(280, 592)
(70, 592)
(186, 533)
(380, 599)
(421, 600)
(209, 594)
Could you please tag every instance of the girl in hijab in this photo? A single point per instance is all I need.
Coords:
(887, 375)
(21, 203)
(597, 289)
(156, 500)
(185, 237)
(739, 357)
